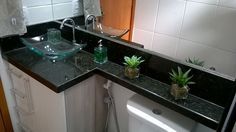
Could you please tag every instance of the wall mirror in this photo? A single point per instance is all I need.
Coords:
(199, 33)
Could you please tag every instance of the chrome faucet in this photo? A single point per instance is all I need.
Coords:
(90, 17)
(73, 27)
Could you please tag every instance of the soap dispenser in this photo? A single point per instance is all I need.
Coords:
(100, 53)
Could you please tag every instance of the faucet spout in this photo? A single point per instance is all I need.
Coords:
(73, 27)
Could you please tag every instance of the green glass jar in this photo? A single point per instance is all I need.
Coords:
(100, 53)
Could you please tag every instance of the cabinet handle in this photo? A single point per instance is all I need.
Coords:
(15, 73)
(24, 127)
(18, 93)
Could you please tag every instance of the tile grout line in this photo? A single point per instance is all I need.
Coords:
(181, 28)
(53, 17)
(155, 23)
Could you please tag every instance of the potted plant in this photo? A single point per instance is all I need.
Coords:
(180, 82)
(131, 66)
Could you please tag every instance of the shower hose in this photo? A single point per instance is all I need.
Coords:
(110, 104)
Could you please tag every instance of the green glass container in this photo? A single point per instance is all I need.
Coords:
(100, 53)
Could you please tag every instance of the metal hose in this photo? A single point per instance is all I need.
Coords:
(109, 100)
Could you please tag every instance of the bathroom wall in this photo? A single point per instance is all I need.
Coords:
(203, 29)
(38, 11)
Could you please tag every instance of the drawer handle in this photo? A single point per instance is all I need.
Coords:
(24, 127)
(18, 93)
(15, 73)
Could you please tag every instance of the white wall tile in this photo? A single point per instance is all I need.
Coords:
(209, 28)
(225, 29)
(220, 59)
(165, 44)
(143, 37)
(170, 17)
(68, 9)
(145, 14)
(207, 1)
(60, 1)
(63, 10)
(39, 14)
(228, 3)
(199, 22)
(30, 3)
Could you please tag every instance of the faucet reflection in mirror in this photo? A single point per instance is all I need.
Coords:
(89, 18)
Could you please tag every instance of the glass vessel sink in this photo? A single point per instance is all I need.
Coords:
(105, 30)
(109, 31)
(52, 50)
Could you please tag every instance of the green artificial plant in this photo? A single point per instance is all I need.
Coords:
(181, 78)
(132, 62)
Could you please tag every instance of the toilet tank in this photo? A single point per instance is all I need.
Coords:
(148, 116)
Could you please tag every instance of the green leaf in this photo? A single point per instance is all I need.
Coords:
(186, 74)
(180, 71)
(174, 73)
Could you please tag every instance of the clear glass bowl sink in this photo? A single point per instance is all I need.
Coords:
(53, 51)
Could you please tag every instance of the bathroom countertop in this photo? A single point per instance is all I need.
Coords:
(61, 75)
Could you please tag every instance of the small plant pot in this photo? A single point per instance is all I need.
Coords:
(131, 73)
(179, 92)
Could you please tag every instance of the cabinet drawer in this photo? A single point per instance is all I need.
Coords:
(23, 104)
(24, 128)
(17, 78)
(26, 120)
(24, 100)
(21, 89)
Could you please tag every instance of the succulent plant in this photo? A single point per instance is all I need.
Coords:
(195, 61)
(181, 78)
(132, 62)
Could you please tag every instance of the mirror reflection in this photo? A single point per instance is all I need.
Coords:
(200, 33)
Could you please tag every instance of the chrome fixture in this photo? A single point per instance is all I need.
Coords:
(89, 18)
(73, 27)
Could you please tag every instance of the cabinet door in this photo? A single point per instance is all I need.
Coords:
(80, 106)
(49, 108)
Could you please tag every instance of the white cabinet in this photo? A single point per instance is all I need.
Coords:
(40, 109)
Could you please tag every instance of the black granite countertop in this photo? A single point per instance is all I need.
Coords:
(59, 76)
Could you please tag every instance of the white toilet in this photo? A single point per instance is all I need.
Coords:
(148, 116)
